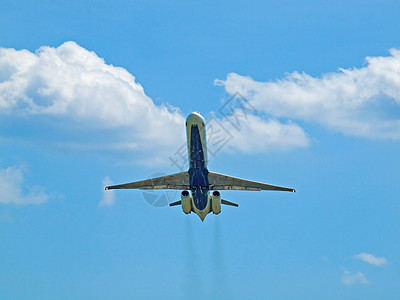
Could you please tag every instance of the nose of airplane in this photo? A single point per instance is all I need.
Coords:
(195, 118)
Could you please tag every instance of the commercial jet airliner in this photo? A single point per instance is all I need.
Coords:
(197, 182)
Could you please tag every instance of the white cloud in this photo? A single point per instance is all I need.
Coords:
(256, 135)
(109, 195)
(357, 278)
(14, 191)
(371, 259)
(70, 97)
(78, 90)
(361, 102)
(74, 99)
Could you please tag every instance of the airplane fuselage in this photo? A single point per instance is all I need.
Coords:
(198, 171)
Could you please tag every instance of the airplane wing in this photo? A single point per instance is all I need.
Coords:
(224, 182)
(178, 181)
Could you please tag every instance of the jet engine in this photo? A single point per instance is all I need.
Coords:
(216, 202)
(186, 202)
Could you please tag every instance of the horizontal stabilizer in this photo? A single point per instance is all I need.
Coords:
(175, 203)
(229, 203)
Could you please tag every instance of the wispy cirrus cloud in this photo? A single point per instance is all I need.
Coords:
(361, 102)
(15, 191)
(371, 259)
(357, 278)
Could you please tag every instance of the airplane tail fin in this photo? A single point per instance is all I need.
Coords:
(229, 203)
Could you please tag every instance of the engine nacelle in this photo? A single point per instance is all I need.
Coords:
(186, 202)
(216, 202)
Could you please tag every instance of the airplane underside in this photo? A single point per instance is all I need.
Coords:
(197, 183)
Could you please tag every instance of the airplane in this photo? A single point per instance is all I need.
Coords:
(197, 183)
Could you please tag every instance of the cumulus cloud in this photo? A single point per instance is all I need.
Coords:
(68, 96)
(77, 89)
(357, 278)
(108, 196)
(371, 259)
(360, 101)
(15, 191)
(257, 135)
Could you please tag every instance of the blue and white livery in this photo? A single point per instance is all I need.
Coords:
(197, 182)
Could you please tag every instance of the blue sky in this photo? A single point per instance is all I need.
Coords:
(96, 92)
